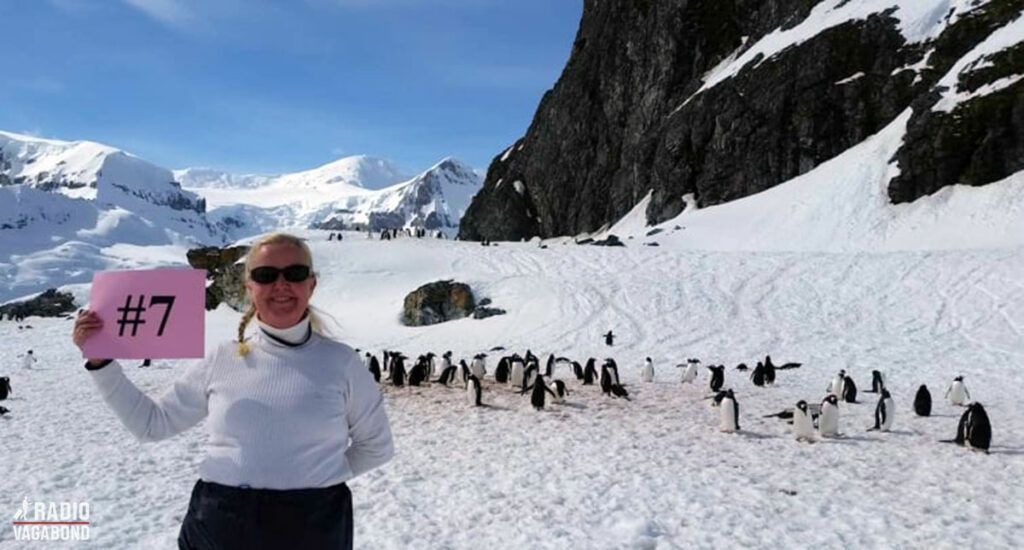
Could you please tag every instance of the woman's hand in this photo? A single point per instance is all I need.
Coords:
(86, 324)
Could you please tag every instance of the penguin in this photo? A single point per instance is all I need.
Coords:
(538, 389)
(835, 387)
(374, 367)
(769, 371)
(877, 381)
(29, 360)
(690, 372)
(446, 360)
(417, 373)
(398, 370)
(957, 392)
(4, 410)
(478, 367)
(613, 371)
(589, 372)
(849, 390)
(549, 369)
(803, 428)
(619, 391)
(974, 429)
(464, 371)
(923, 401)
(5, 387)
(828, 420)
(606, 380)
(757, 377)
(447, 376)
(717, 377)
(516, 379)
(531, 374)
(647, 372)
(473, 392)
(729, 413)
(883, 412)
(501, 371)
(577, 369)
(560, 391)
(742, 366)
(609, 338)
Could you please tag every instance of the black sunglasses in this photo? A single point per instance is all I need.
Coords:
(266, 275)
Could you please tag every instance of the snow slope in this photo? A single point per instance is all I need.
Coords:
(653, 472)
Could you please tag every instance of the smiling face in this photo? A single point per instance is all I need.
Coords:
(280, 304)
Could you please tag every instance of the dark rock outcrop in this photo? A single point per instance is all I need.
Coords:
(437, 302)
(224, 273)
(628, 117)
(48, 304)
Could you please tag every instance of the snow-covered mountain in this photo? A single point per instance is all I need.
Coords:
(70, 208)
(345, 194)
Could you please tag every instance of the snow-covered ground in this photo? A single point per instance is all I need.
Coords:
(596, 472)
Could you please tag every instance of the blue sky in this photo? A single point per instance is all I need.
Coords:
(273, 86)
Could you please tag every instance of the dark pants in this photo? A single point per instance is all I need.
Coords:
(226, 518)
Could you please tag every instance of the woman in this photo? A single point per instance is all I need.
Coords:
(282, 408)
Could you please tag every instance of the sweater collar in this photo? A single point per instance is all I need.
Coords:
(295, 335)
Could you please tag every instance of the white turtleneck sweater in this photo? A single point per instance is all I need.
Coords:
(285, 416)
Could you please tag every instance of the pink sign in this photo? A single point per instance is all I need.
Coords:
(154, 314)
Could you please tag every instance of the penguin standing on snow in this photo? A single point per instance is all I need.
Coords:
(417, 373)
(647, 372)
(717, 377)
(516, 379)
(974, 429)
(447, 376)
(849, 390)
(757, 376)
(803, 428)
(577, 369)
(769, 370)
(609, 338)
(923, 401)
(4, 410)
(501, 371)
(398, 370)
(538, 388)
(549, 369)
(729, 413)
(589, 372)
(957, 392)
(828, 419)
(531, 373)
(5, 387)
(560, 391)
(877, 382)
(29, 360)
(613, 370)
(473, 392)
(690, 372)
(478, 367)
(835, 387)
(374, 366)
(883, 412)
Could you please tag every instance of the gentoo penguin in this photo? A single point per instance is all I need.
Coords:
(690, 372)
(769, 370)
(417, 373)
(478, 367)
(518, 369)
(550, 367)
(501, 371)
(29, 360)
(473, 392)
(803, 428)
(447, 376)
(538, 389)
(835, 387)
(757, 377)
(613, 370)
(464, 371)
(530, 374)
(717, 377)
(5, 387)
(577, 369)
(606, 380)
(923, 401)
(729, 413)
(589, 372)
(877, 381)
(974, 429)
(609, 338)
(647, 372)
(883, 412)
(849, 390)
(4, 410)
(957, 392)
(398, 370)
(446, 360)
(828, 420)
(560, 391)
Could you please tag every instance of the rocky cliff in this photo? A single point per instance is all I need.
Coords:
(727, 98)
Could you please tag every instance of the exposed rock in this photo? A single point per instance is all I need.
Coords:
(48, 304)
(610, 240)
(485, 312)
(437, 302)
(224, 273)
(625, 118)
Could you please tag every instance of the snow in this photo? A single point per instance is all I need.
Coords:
(653, 472)
(1003, 38)
(849, 79)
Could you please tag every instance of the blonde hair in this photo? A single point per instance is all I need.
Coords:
(316, 315)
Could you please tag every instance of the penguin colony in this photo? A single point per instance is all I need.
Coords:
(811, 420)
